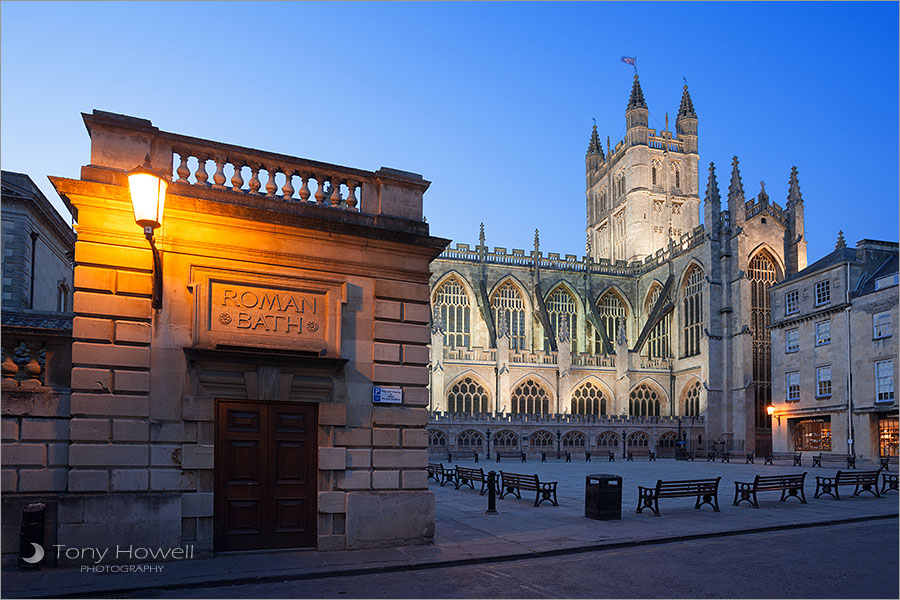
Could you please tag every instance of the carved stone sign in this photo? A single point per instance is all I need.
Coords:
(241, 309)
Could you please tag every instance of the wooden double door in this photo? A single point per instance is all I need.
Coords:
(265, 472)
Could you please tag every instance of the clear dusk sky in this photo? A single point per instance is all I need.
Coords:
(492, 102)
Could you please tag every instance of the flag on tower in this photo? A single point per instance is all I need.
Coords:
(629, 60)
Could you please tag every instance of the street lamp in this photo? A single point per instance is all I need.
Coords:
(148, 199)
(558, 438)
(487, 433)
(770, 410)
(623, 445)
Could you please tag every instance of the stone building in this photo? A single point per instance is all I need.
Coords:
(38, 247)
(834, 354)
(658, 332)
(224, 375)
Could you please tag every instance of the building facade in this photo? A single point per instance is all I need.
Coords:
(662, 321)
(834, 354)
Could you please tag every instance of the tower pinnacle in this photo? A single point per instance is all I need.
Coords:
(794, 196)
(595, 148)
(736, 187)
(687, 106)
(840, 241)
(637, 95)
(712, 186)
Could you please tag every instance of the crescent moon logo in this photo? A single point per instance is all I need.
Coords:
(38, 554)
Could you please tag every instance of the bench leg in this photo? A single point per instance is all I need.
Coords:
(647, 499)
(712, 500)
(826, 487)
(867, 487)
(795, 492)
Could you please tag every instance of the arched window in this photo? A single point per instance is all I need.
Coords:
(588, 399)
(574, 439)
(509, 309)
(657, 345)
(609, 308)
(469, 439)
(693, 311)
(677, 177)
(667, 440)
(692, 400)
(506, 439)
(643, 401)
(654, 170)
(561, 307)
(452, 304)
(436, 438)
(638, 439)
(762, 275)
(607, 441)
(530, 397)
(541, 439)
(467, 396)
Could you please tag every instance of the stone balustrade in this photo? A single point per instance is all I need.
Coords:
(438, 417)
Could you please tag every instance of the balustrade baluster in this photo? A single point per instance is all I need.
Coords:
(335, 193)
(287, 190)
(304, 189)
(201, 174)
(237, 180)
(271, 188)
(351, 196)
(219, 177)
(320, 190)
(254, 180)
(183, 171)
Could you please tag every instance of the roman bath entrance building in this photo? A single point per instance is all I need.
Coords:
(254, 375)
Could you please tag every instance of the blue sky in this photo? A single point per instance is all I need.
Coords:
(492, 102)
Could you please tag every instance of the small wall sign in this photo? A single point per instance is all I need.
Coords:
(387, 395)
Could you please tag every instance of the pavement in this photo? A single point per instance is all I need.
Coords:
(464, 534)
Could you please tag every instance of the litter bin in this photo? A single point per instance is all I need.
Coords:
(603, 497)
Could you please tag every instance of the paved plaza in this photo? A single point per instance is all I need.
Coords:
(465, 535)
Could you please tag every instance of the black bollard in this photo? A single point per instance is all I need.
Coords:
(31, 533)
(492, 493)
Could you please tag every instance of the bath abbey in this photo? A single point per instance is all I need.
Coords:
(656, 339)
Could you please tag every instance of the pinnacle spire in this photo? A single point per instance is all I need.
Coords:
(481, 235)
(794, 196)
(840, 241)
(687, 106)
(537, 241)
(594, 146)
(637, 95)
(736, 187)
(712, 186)
(763, 196)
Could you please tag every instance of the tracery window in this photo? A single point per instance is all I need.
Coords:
(667, 440)
(541, 439)
(561, 307)
(692, 400)
(657, 345)
(436, 438)
(467, 396)
(607, 441)
(451, 303)
(509, 308)
(677, 177)
(530, 397)
(643, 401)
(638, 439)
(469, 439)
(693, 315)
(609, 309)
(588, 399)
(654, 168)
(506, 439)
(574, 439)
(761, 274)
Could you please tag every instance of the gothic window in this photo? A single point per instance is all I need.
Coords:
(643, 401)
(436, 438)
(530, 397)
(654, 172)
(509, 308)
(638, 440)
(667, 440)
(541, 439)
(452, 304)
(603, 206)
(619, 236)
(469, 439)
(692, 400)
(467, 396)
(588, 399)
(677, 177)
(693, 315)
(506, 439)
(561, 308)
(761, 274)
(607, 441)
(574, 439)
(609, 309)
(657, 345)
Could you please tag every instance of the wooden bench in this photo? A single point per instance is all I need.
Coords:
(463, 454)
(513, 483)
(612, 457)
(749, 460)
(705, 490)
(865, 481)
(790, 486)
(437, 472)
(512, 454)
(835, 458)
(887, 461)
(889, 482)
(467, 476)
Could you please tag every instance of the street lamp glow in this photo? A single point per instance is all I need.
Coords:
(770, 410)
(148, 196)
